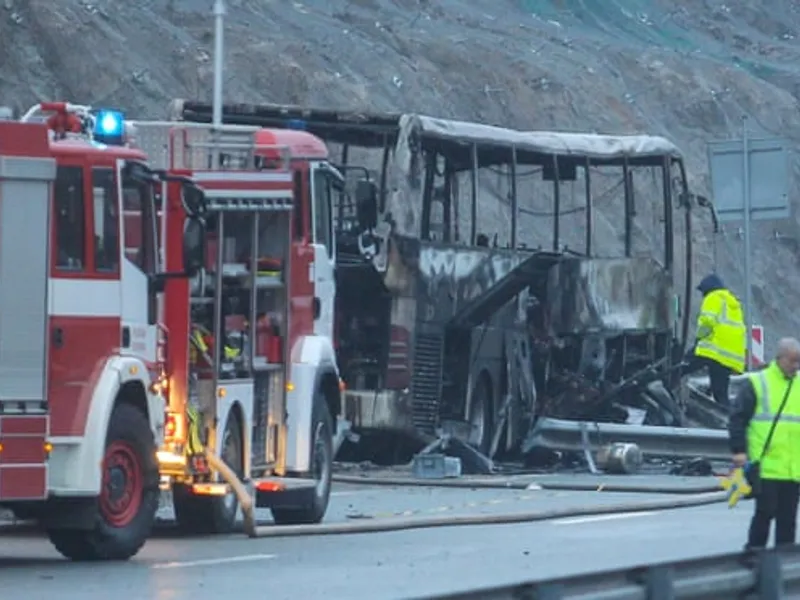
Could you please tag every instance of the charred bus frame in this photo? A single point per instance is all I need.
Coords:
(410, 390)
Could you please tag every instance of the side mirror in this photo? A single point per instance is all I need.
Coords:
(367, 204)
(194, 246)
(193, 198)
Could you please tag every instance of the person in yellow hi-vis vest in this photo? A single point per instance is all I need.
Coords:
(764, 429)
(721, 337)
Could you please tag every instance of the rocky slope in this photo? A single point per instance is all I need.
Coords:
(686, 69)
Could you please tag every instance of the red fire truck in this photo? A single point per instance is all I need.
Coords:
(80, 414)
(251, 355)
(99, 401)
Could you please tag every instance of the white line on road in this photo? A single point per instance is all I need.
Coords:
(213, 561)
(350, 493)
(595, 518)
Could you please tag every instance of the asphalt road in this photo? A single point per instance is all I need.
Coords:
(353, 502)
(397, 565)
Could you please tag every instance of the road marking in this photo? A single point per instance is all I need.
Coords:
(597, 518)
(350, 493)
(214, 561)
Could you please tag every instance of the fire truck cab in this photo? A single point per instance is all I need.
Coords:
(81, 346)
(251, 373)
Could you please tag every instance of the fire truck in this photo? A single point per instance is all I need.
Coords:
(251, 365)
(81, 414)
(101, 406)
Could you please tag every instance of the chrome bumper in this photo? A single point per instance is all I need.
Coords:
(387, 410)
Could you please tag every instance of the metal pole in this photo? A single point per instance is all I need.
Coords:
(219, 46)
(748, 305)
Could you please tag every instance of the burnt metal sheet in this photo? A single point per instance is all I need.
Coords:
(450, 277)
(602, 294)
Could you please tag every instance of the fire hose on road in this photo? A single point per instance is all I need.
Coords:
(709, 495)
(253, 530)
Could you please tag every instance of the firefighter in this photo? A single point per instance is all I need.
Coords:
(764, 432)
(721, 337)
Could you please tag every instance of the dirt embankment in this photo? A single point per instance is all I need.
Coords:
(686, 69)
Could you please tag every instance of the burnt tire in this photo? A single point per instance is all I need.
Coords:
(321, 470)
(212, 514)
(128, 501)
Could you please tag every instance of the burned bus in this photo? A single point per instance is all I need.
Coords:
(488, 276)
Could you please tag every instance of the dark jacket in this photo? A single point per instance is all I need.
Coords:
(710, 283)
(744, 406)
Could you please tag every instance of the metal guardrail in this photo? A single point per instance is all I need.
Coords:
(769, 575)
(583, 436)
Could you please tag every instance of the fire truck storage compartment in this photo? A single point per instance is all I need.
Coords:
(25, 201)
(24, 232)
(261, 356)
(363, 307)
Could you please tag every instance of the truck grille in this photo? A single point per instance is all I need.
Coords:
(426, 383)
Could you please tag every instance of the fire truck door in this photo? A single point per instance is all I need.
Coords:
(139, 260)
(324, 253)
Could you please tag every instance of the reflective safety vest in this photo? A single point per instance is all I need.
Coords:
(721, 333)
(782, 459)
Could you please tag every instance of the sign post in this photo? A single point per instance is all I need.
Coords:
(749, 181)
(747, 217)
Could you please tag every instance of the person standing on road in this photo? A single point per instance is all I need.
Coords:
(764, 430)
(721, 337)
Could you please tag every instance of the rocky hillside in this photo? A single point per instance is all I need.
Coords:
(685, 69)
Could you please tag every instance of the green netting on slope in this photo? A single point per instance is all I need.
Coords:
(623, 19)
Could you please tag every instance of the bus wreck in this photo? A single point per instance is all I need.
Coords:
(481, 281)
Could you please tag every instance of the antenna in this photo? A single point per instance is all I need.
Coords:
(219, 46)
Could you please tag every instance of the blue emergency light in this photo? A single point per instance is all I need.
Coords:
(109, 127)
(297, 124)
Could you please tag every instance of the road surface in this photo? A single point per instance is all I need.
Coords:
(397, 565)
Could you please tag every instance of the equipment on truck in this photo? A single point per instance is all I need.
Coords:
(81, 348)
(110, 380)
(443, 328)
(250, 356)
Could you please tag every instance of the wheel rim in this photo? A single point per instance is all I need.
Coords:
(321, 466)
(121, 494)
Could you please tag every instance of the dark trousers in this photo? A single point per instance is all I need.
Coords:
(719, 376)
(776, 501)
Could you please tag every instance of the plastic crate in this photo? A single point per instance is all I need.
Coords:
(435, 466)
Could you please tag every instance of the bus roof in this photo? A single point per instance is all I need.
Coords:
(378, 129)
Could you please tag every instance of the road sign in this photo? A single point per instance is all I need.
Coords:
(749, 180)
(756, 359)
(768, 176)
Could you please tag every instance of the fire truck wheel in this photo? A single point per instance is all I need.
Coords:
(212, 514)
(322, 471)
(128, 497)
